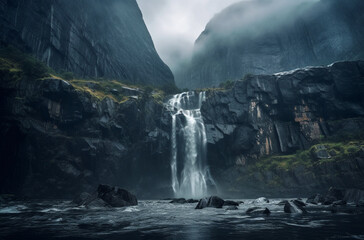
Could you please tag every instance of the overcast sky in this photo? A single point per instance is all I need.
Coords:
(176, 24)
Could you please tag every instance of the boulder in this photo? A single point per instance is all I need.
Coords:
(192, 201)
(202, 203)
(116, 197)
(298, 202)
(215, 202)
(231, 203)
(258, 211)
(212, 201)
(291, 207)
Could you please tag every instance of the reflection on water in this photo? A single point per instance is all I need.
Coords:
(162, 220)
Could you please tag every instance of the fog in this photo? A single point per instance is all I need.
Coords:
(176, 24)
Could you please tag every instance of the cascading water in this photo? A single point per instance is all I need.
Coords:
(190, 172)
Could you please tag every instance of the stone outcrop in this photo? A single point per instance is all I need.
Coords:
(57, 141)
(95, 38)
(268, 115)
(265, 37)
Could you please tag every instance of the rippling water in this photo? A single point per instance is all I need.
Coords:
(162, 220)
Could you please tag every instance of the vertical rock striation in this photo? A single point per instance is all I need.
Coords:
(91, 38)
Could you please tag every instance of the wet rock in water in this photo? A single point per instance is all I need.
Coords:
(240, 202)
(178, 200)
(215, 202)
(231, 203)
(315, 199)
(261, 200)
(298, 202)
(106, 196)
(202, 203)
(281, 203)
(192, 201)
(258, 210)
(212, 201)
(116, 197)
(291, 207)
(232, 208)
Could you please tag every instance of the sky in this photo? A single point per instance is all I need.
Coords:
(175, 24)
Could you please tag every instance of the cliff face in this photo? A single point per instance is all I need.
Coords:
(265, 37)
(266, 116)
(57, 139)
(89, 38)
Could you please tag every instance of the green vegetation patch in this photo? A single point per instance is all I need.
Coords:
(333, 151)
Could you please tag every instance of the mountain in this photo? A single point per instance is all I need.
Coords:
(91, 38)
(266, 36)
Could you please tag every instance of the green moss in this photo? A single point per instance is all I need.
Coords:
(339, 151)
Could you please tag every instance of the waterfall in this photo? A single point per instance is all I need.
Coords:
(190, 172)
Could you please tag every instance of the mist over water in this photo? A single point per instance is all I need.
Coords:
(190, 172)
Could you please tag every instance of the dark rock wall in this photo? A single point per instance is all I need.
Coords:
(265, 37)
(280, 114)
(56, 141)
(92, 38)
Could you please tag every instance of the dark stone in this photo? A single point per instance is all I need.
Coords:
(116, 197)
(258, 211)
(291, 207)
(212, 201)
(192, 201)
(202, 203)
(215, 202)
(230, 203)
(299, 203)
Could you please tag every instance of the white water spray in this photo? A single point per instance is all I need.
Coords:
(190, 173)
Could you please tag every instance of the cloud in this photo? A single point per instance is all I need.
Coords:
(176, 24)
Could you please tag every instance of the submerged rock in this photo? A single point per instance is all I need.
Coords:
(107, 196)
(212, 201)
(202, 203)
(258, 210)
(294, 207)
(192, 201)
(116, 197)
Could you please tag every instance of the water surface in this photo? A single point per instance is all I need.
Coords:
(162, 220)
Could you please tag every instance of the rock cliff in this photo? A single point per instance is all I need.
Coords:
(265, 37)
(59, 138)
(288, 133)
(91, 38)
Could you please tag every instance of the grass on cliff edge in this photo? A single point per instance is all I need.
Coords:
(17, 65)
(338, 151)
